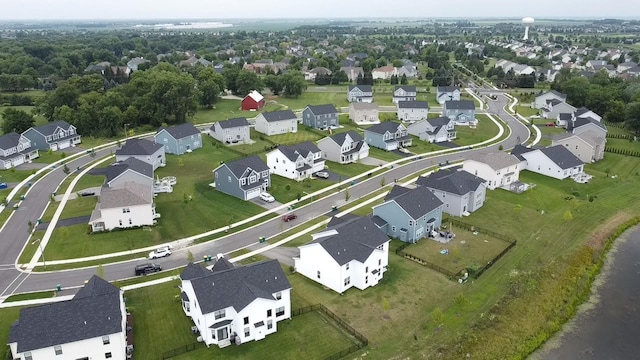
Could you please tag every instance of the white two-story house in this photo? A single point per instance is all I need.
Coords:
(235, 304)
(127, 206)
(296, 162)
(344, 147)
(353, 253)
(498, 169)
(277, 122)
(15, 149)
(231, 131)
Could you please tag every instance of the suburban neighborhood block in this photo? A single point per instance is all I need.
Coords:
(351, 254)
(344, 147)
(296, 162)
(408, 214)
(245, 178)
(276, 122)
(461, 192)
(434, 130)
(320, 116)
(54, 136)
(16, 149)
(231, 131)
(235, 304)
(387, 136)
(179, 139)
(92, 325)
(143, 150)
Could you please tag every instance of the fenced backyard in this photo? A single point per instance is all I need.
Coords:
(472, 250)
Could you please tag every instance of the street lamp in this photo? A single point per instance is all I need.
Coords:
(41, 251)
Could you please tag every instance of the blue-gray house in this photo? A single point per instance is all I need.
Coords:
(320, 116)
(179, 139)
(460, 111)
(387, 135)
(56, 135)
(245, 178)
(408, 214)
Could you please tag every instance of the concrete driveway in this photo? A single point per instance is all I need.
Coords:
(268, 205)
(373, 161)
(283, 254)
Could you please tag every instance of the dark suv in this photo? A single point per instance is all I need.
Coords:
(145, 269)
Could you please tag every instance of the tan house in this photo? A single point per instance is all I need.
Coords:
(364, 113)
(384, 72)
(587, 146)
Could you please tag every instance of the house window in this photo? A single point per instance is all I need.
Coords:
(243, 181)
(347, 266)
(58, 349)
(166, 140)
(187, 306)
(269, 313)
(278, 295)
(105, 340)
(347, 280)
(280, 311)
(229, 178)
(366, 270)
(393, 229)
(246, 320)
(269, 324)
(219, 314)
(120, 222)
(410, 222)
(107, 355)
(213, 333)
(318, 274)
(379, 262)
(247, 332)
(27, 356)
(366, 279)
(253, 179)
(130, 222)
(126, 210)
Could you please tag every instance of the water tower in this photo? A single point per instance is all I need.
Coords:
(527, 22)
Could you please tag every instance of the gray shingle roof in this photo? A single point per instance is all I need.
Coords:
(93, 312)
(416, 202)
(232, 123)
(439, 121)
(280, 115)
(363, 88)
(193, 271)
(385, 126)
(407, 88)
(582, 121)
(138, 147)
(130, 195)
(558, 94)
(322, 109)
(9, 140)
(413, 104)
(364, 106)
(561, 156)
(460, 104)
(50, 128)
(340, 137)
(131, 163)
(355, 239)
(254, 162)
(518, 150)
(451, 181)
(182, 131)
(447, 89)
(497, 160)
(303, 149)
(239, 286)
(565, 116)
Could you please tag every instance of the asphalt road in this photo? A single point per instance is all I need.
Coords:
(22, 282)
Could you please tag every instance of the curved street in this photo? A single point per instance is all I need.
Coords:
(15, 233)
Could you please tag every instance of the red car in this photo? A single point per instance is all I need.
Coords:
(289, 217)
(551, 124)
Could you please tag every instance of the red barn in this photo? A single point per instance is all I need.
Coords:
(253, 101)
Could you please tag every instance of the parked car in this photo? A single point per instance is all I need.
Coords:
(267, 197)
(550, 124)
(289, 217)
(148, 268)
(87, 193)
(322, 174)
(160, 253)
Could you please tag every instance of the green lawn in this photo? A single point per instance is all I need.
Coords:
(13, 175)
(286, 190)
(338, 99)
(7, 317)
(227, 109)
(300, 136)
(31, 296)
(348, 170)
(526, 111)
(623, 144)
(380, 154)
(484, 130)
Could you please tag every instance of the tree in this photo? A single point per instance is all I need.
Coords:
(294, 84)
(616, 112)
(16, 121)
(274, 83)
(190, 256)
(567, 216)
(632, 116)
(231, 75)
(247, 81)
(404, 80)
(210, 84)
(339, 77)
(100, 271)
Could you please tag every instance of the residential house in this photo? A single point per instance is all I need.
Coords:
(16, 149)
(583, 112)
(412, 110)
(54, 136)
(135, 63)
(462, 112)
(554, 161)
(498, 169)
(360, 93)
(592, 64)
(564, 119)
(344, 148)
(363, 113)
(460, 191)
(129, 170)
(144, 150)
(245, 178)
(408, 214)
(320, 116)
(387, 135)
(384, 72)
(404, 93)
(128, 205)
(310, 75)
(235, 304)
(555, 107)
(276, 122)
(588, 146)
(409, 71)
(231, 131)
(253, 101)
(352, 72)
(354, 253)
(91, 325)
(447, 93)
(297, 162)
(433, 130)
(584, 124)
(179, 139)
(541, 100)
(622, 67)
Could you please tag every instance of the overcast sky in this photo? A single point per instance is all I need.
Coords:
(220, 9)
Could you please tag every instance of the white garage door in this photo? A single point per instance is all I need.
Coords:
(18, 161)
(64, 144)
(54, 146)
(253, 193)
(392, 146)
